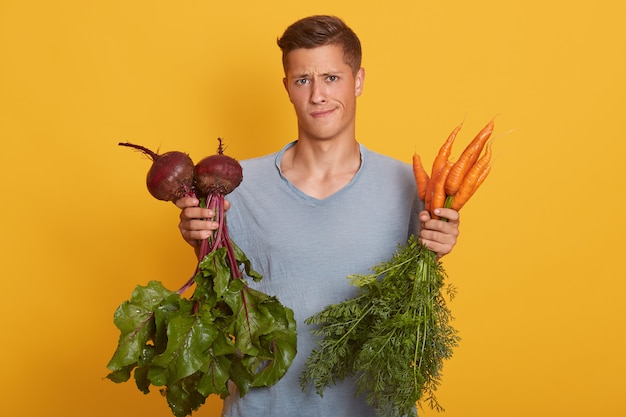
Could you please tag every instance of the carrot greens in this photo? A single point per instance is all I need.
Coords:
(393, 336)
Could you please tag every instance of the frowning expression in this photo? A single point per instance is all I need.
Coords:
(323, 90)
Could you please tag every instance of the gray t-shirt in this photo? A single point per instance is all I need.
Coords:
(305, 248)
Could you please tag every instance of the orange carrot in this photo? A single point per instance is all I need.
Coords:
(421, 176)
(474, 177)
(428, 198)
(467, 159)
(439, 192)
(444, 152)
(438, 164)
(481, 178)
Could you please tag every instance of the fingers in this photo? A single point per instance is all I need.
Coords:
(191, 213)
(438, 235)
(192, 202)
(193, 230)
(451, 215)
(196, 223)
(187, 202)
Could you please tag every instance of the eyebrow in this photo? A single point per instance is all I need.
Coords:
(324, 74)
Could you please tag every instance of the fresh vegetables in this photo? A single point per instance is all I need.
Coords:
(395, 334)
(467, 159)
(218, 174)
(171, 175)
(225, 331)
(421, 176)
(473, 179)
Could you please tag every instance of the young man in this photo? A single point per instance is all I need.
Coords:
(320, 209)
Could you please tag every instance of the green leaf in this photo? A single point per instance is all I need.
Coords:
(189, 337)
(242, 259)
(171, 307)
(393, 337)
(215, 379)
(250, 321)
(193, 347)
(344, 329)
(135, 319)
(265, 336)
(216, 267)
(223, 345)
(141, 373)
(278, 346)
(182, 396)
(240, 375)
(121, 375)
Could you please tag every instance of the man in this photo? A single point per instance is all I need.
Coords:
(320, 209)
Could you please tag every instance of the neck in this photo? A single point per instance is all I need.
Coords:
(320, 169)
(326, 156)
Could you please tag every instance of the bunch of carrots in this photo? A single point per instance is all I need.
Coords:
(451, 184)
(395, 334)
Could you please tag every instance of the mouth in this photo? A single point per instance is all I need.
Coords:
(321, 113)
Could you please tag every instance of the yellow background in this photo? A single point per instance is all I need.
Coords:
(539, 265)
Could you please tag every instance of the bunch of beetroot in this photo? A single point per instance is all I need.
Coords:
(225, 331)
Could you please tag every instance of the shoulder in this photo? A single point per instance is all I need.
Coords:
(379, 162)
(266, 163)
(387, 175)
(260, 177)
(258, 168)
(259, 162)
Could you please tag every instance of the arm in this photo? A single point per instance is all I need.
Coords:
(438, 235)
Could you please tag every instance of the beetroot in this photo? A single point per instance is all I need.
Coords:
(193, 347)
(215, 176)
(171, 175)
(218, 174)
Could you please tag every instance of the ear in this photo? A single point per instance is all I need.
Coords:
(358, 82)
(287, 89)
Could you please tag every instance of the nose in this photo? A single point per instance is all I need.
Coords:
(318, 94)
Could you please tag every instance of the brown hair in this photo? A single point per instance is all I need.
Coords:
(314, 31)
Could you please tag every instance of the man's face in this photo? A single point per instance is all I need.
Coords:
(323, 91)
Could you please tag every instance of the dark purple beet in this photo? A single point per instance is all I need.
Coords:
(218, 174)
(171, 175)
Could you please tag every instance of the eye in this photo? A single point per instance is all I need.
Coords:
(302, 81)
(332, 78)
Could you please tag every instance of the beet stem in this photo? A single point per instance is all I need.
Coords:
(219, 239)
(143, 149)
(217, 204)
(190, 281)
(244, 301)
(231, 254)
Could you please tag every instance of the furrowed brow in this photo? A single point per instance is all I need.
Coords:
(303, 75)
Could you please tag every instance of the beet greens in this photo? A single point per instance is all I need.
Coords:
(225, 331)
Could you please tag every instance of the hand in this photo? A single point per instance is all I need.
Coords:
(438, 235)
(194, 224)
